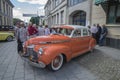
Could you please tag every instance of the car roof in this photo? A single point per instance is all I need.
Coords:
(74, 26)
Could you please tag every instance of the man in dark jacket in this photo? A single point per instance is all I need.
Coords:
(98, 33)
(103, 35)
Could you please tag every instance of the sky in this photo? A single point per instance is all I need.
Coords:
(27, 7)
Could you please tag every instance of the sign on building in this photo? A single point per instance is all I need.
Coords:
(30, 15)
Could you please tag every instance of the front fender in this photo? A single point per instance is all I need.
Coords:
(52, 51)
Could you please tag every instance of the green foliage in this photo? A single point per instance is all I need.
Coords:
(35, 20)
(16, 20)
(43, 23)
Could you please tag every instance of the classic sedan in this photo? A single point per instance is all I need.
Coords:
(6, 36)
(52, 51)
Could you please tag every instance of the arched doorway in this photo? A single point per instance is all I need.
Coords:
(78, 18)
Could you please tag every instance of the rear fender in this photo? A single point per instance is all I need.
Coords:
(92, 44)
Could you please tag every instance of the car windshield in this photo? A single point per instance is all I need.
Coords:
(64, 31)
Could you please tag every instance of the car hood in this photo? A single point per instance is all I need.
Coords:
(48, 39)
(6, 33)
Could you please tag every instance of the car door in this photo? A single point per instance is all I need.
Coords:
(76, 43)
(2, 36)
(86, 39)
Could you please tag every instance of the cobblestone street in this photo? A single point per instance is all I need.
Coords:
(102, 64)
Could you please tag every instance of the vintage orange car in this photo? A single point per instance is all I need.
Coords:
(52, 51)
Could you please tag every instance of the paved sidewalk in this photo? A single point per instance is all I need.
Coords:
(102, 64)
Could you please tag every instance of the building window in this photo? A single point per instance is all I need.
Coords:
(52, 20)
(74, 2)
(0, 20)
(57, 18)
(79, 18)
(11, 12)
(62, 16)
(111, 16)
(4, 21)
(70, 2)
(7, 9)
(118, 15)
(56, 2)
(0, 6)
(113, 13)
(4, 7)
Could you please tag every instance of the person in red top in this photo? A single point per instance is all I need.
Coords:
(31, 31)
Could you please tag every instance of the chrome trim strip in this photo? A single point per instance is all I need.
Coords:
(54, 42)
(39, 65)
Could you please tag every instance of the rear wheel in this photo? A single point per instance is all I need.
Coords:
(56, 63)
(9, 38)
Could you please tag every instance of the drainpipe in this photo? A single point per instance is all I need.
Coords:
(67, 12)
(91, 6)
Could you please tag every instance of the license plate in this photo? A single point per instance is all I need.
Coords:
(31, 57)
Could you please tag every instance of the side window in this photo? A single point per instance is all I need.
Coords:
(77, 33)
(85, 32)
(89, 32)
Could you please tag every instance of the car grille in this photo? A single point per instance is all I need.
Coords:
(32, 53)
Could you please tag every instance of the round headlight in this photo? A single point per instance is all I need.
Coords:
(40, 51)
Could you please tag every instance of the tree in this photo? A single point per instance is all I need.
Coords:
(35, 20)
(16, 20)
(43, 23)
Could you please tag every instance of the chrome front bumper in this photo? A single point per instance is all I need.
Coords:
(39, 65)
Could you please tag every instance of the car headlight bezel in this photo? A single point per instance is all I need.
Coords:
(23, 44)
(40, 51)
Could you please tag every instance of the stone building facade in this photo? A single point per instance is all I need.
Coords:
(55, 12)
(6, 12)
(65, 11)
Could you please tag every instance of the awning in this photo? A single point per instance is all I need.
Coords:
(97, 2)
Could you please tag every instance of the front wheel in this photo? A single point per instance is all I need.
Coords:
(9, 38)
(56, 63)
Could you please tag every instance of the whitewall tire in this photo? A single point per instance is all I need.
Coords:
(9, 38)
(56, 63)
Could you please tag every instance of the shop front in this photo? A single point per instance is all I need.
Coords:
(112, 11)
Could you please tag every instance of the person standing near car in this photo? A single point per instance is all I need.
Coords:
(103, 35)
(94, 30)
(41, 31)
(36, 27)
(47, 30)
(31, 30)
(98, 33)
(17, 26)
(21, 37)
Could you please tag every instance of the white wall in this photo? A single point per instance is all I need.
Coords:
(98, 14)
